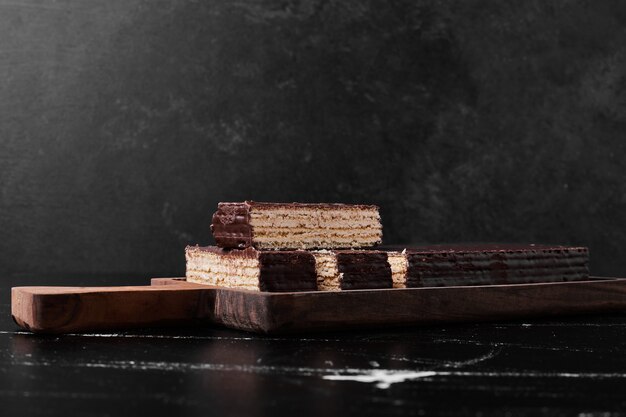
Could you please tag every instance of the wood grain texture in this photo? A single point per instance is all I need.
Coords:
(172, 301)
(72, 309)
(308, 311)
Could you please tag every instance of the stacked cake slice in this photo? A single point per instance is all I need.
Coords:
(296, 226)
(331, 247)
(292, 247)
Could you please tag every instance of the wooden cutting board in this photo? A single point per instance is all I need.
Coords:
(173, 301)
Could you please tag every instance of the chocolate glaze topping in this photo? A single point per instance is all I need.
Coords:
(363, 270)
(494, 264)
(287, 271)
(484, 247)
(231, 225)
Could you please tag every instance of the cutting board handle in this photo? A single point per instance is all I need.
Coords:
(80, 309)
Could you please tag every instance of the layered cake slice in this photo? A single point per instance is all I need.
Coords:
(249, 269)
(447, 265)
(281, 271)
(280, 226)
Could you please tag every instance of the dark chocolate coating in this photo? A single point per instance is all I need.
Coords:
(494, 264)
(287, 271)
(230, 225)
(532, 248)
(363, 270)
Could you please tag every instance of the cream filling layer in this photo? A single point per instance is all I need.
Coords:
(314, 219)
(308, 213)
(356, 223)
(317, 233)
(399, 265)
(328, 276)
(282, 228)
(320, 237)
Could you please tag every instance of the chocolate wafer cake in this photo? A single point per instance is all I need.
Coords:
(487, 264)
(250, 269)
(426, 266)
(283, 226)
(279, 271)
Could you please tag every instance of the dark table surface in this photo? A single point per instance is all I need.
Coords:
(570, 366)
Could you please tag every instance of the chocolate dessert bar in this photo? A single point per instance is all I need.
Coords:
(249, 269)
(352, 270)
(426, 266)
(281, 226)
(447, 265)
(280, 271)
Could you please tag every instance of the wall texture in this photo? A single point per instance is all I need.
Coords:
(123, 123)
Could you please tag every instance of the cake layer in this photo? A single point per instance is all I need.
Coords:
(284, 226)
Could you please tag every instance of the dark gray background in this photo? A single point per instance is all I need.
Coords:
(123, 123)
